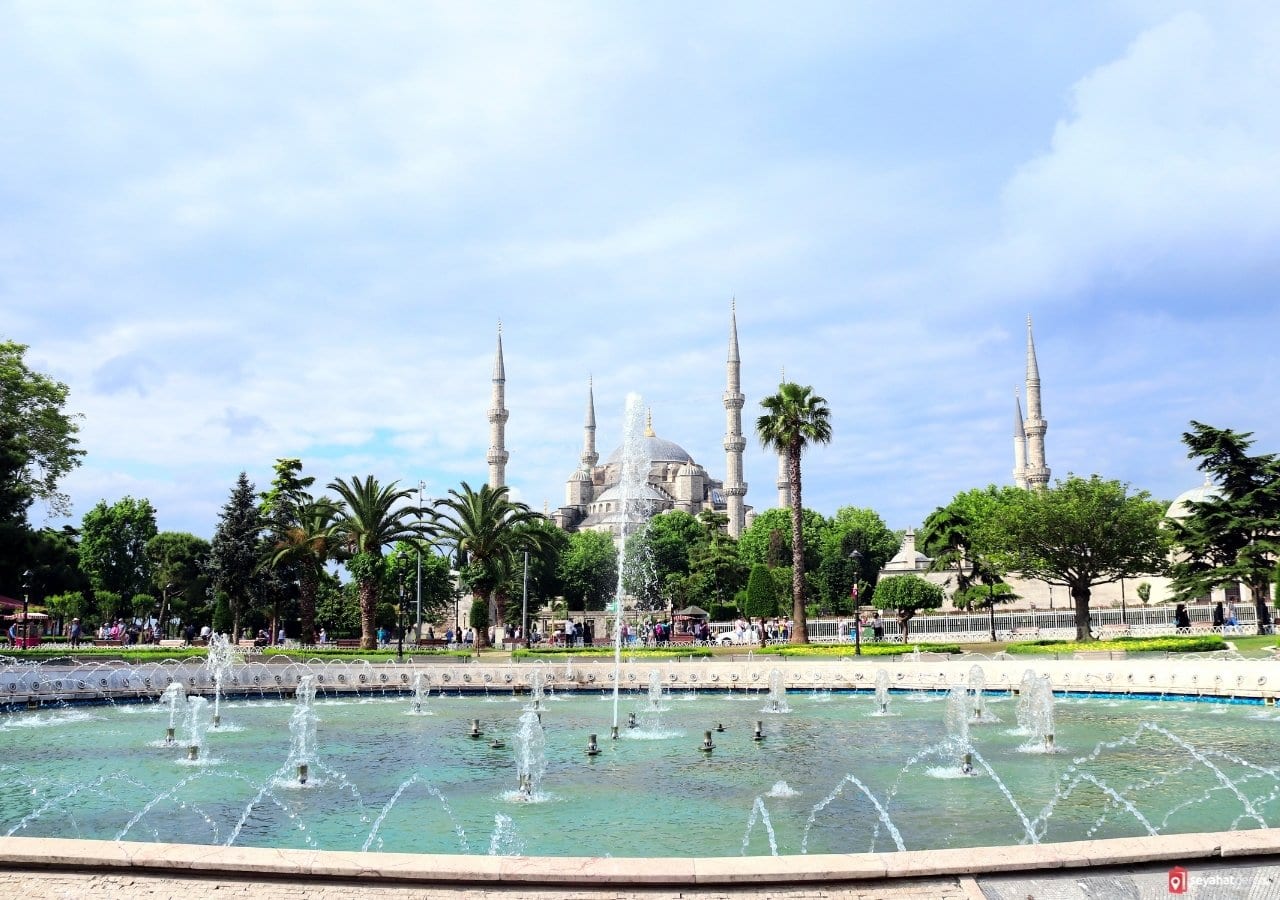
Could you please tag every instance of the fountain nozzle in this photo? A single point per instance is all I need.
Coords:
(707, 744)
(720, 727)
(593, 749)
(475, 728)
(303, 770)
(497, 744)
(966, 764)
(168, 735)
(193, 752)
(759, 734)
(1048, 742)
(217, 719)
(631, 720)
(613, 732)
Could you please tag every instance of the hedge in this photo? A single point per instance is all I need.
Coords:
(1192, 644)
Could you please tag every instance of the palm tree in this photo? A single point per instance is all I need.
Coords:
(795, 417)
(369, 522)
(482, 527)
(310, 540)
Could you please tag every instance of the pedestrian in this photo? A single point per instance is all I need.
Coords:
(75, 632)
(1181, 618)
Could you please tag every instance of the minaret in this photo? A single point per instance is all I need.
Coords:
(1035, 426)
(1019, 444)
(589, 455)
(497, 457)
(735, 489)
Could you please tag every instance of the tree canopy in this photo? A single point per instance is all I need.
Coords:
(38, 443)
(113, 546)
(908, 594)
(1233, 536)
(795, 418)
(1080, 533)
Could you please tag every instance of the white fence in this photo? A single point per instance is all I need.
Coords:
(976, 627)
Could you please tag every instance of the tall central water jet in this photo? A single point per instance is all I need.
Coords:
(633, 478)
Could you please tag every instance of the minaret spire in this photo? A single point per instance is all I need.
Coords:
(1035, 425)
(1019, 444)
(735, 489)
(497, 456)
(589, 455)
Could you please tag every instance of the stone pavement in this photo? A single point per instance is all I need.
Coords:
(1221, 880)
(51, 885)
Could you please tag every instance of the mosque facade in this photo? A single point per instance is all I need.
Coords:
(593, 499)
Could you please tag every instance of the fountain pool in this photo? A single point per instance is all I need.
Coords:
(831, 776)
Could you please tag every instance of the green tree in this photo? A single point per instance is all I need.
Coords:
(771, 529)
(113, 542)
(337, 608)
(1234, 536)
(762, 595)
(546, 549)
(303, 541)
(483, 529)
(38, 443)
(856, 543)
(990, 594)
(657, 557)
(908, 594)
(714, 565)
(371, 520)
(236, 550)
(179, 571)
(1080, 533)
(794, 418)
(589, 570)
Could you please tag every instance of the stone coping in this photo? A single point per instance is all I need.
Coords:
(84, 856)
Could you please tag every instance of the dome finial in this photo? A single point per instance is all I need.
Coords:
(648, 422)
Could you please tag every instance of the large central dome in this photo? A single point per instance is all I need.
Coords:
(657, 450)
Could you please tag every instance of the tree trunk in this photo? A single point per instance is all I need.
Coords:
(368, 613)
(991, 610)
(1080, 595)
(904, 626)
(307, 606)
(800, 633)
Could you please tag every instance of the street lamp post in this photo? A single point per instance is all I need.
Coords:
(856, 556)
(524, 603)
(400, 628)
(1124, 618)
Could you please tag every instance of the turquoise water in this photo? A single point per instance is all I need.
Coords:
(384, 779)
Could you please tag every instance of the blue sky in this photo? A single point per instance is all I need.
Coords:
(242, 231)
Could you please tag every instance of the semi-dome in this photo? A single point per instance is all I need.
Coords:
(1179, 509)
(648, 493)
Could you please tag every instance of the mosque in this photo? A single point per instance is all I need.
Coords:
(593, 501)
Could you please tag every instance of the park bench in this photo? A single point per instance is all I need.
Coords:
(346, 643)
(172, 642)
(107, 642)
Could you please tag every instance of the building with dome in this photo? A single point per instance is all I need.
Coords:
(593, 500)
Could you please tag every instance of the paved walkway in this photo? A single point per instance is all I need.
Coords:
(1222, 880)
(66, 886)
